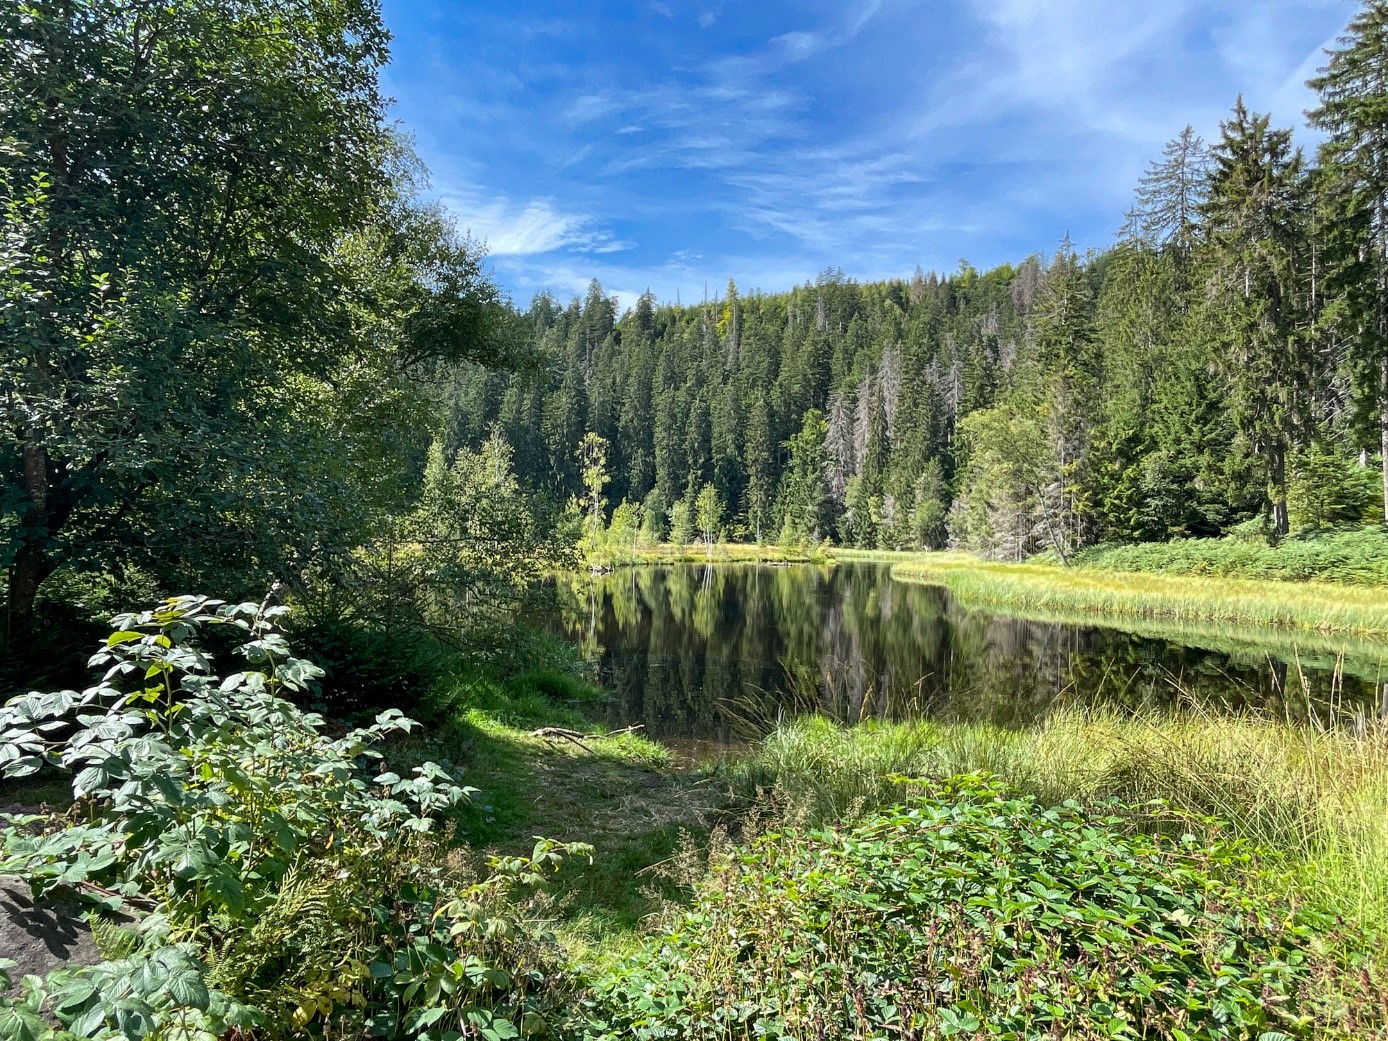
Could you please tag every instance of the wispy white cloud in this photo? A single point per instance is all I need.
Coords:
(799, 45)
(586, 108)
(536, 226)
(867, 134)
(1132, 68)
(679, 278)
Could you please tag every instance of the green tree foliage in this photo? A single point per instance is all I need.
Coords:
(624, 534)
(1163, 386)
(1329, 489)
(804, 492)
(592, 459)
(1171, 194)
(1008, 506)
(297, 887)
(931, 508)
(708, 508)
(1258, 212)
(214, 284)
(475, 537)
(1353, 110)
(682, 522)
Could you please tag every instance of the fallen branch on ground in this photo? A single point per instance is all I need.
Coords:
(577, 737)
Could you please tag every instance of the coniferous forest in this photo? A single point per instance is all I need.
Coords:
(1222, 363)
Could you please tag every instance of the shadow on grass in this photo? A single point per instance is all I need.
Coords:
(619, 794)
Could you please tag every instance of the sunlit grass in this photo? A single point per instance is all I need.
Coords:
(1353, 555)
(1094, 595)
(718, 553)
(1315, 800)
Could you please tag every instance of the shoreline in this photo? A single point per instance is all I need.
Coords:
(1093, 594)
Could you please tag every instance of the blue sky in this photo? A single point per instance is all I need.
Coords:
(673, 144)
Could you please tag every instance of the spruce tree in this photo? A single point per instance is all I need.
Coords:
(1257, 212)
(1171, 193)
(1353, 110)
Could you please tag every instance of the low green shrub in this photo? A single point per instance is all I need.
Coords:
(285, 883)
(814, 770)
(560, 687)
(534, 698)
(1356, 556)
(501, 648)
(1312, 799)
(367, 668)
(971, 911)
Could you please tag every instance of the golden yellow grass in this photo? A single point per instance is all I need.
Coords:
(719, 553)
(1081, 593)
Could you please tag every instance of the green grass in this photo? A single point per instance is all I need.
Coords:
(972, 910)
(1349, 556)
(692, 867)
(1099, 596)
(1315, 799)
(618, 792)
(718, 553)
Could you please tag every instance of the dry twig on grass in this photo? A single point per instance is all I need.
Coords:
(561, 734)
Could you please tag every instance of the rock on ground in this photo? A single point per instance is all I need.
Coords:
(41, 935)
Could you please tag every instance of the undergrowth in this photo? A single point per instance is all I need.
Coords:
(1093, 876)
(1356, 556)
(1313, 800)
(971, 910)
(284, 881)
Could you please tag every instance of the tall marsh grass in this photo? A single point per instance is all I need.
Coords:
(1314, 800)
(1096, 595)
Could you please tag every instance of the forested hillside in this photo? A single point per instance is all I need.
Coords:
(1221, 363)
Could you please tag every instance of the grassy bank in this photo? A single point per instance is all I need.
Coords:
(1350, 556)
(1094, 877)
(718, 553)
(1233, 872)
(540, 765)
(1314, 800)
(712, 891)
(1099, 595)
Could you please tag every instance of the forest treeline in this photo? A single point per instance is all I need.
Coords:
(1222, 363)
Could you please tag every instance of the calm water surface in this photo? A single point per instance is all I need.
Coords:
(712, 655)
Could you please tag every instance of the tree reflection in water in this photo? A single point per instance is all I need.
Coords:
(718, 653)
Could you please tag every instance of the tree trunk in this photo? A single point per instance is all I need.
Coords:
(1281, 524)
(31, 566)
(32, 563)
(1383, 431)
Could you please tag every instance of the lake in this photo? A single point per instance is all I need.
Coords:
(715, 655)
